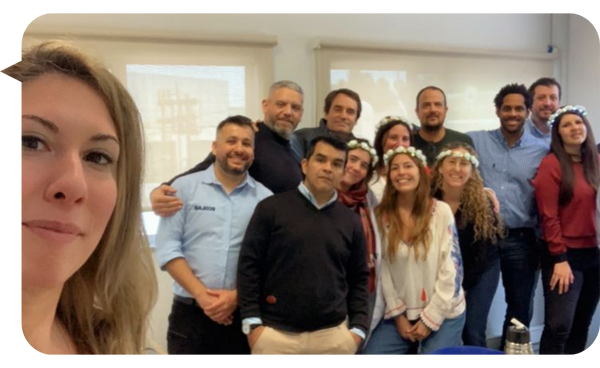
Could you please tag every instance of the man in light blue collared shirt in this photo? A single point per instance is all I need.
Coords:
(545, 93)
(199, 246)
(509, 158)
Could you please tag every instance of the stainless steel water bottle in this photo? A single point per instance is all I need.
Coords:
(518, 339)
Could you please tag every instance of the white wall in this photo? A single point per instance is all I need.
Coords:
(583, 72)
(297, 34)
(578, 69)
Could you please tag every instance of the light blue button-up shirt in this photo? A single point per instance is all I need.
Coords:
(536, 133)
(508, 172)
(208, 231)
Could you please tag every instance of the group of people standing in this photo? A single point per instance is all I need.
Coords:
(303, 241)
(442, 215)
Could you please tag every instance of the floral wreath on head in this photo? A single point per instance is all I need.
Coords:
(411, 151)
(572, 109)
(353, 144)
(466, 155)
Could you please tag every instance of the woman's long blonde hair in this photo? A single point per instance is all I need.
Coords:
(105, 305)
(474, 203)
(390, 223)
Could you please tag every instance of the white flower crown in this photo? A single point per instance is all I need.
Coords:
(574, 109)
(467, 156)
(412, 151)
(353, 144)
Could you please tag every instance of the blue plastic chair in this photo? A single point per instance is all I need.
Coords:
(471, 352)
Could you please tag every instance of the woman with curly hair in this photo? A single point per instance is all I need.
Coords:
(457, 182)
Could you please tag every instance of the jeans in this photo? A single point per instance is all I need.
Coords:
(569, 315)
(387, 340)
(518, 262)
(478, 296)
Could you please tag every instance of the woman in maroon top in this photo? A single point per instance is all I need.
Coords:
(565, 187)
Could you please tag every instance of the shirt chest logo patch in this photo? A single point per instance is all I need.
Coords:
(204, 208)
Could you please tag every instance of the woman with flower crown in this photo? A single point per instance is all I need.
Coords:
(565, 187)
(393, 132)
(456, 181)
(354, 192)
(421, 272)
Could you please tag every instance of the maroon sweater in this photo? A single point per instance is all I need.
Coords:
(569, 226)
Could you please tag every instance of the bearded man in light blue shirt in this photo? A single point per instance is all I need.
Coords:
(199, 246)
(546, 93)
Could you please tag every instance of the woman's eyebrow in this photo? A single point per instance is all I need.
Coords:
(45, 122)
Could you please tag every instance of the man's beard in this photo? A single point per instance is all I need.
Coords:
(432, 128)
(280, 130)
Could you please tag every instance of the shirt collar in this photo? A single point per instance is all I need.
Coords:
(308, 195)
(534, 129)
(210, 178)
(518, 143)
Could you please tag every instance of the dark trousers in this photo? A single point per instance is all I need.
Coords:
(478, 296)
(568, 316)
(193, 332)
(518, 261)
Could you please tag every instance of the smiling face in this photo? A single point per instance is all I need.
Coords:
(404, 174)
(512, 114)
(357, 168)
(456, 171)
(545, 102)
(234, 149)
(342, 114)
(398, 136)
(431, 109)
(69, 162)
(283, 111)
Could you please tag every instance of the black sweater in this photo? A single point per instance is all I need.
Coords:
(274, 165)
(302, 269)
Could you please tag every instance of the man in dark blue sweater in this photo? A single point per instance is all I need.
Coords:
(274, 165)
(302, 267)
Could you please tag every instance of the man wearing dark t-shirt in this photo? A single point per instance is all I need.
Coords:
(433, 136)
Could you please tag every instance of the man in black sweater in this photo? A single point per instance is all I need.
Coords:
(274, 165)
(302, 266)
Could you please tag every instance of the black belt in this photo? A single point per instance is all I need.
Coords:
(520, 231)
(186, 301)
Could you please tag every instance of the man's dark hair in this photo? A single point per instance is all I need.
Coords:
(546, 82)
(331, 140)
(345, 91)
(238, 120)
(432, 88)
(510, 89)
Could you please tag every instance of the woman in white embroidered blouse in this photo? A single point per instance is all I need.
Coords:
(421, 267)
